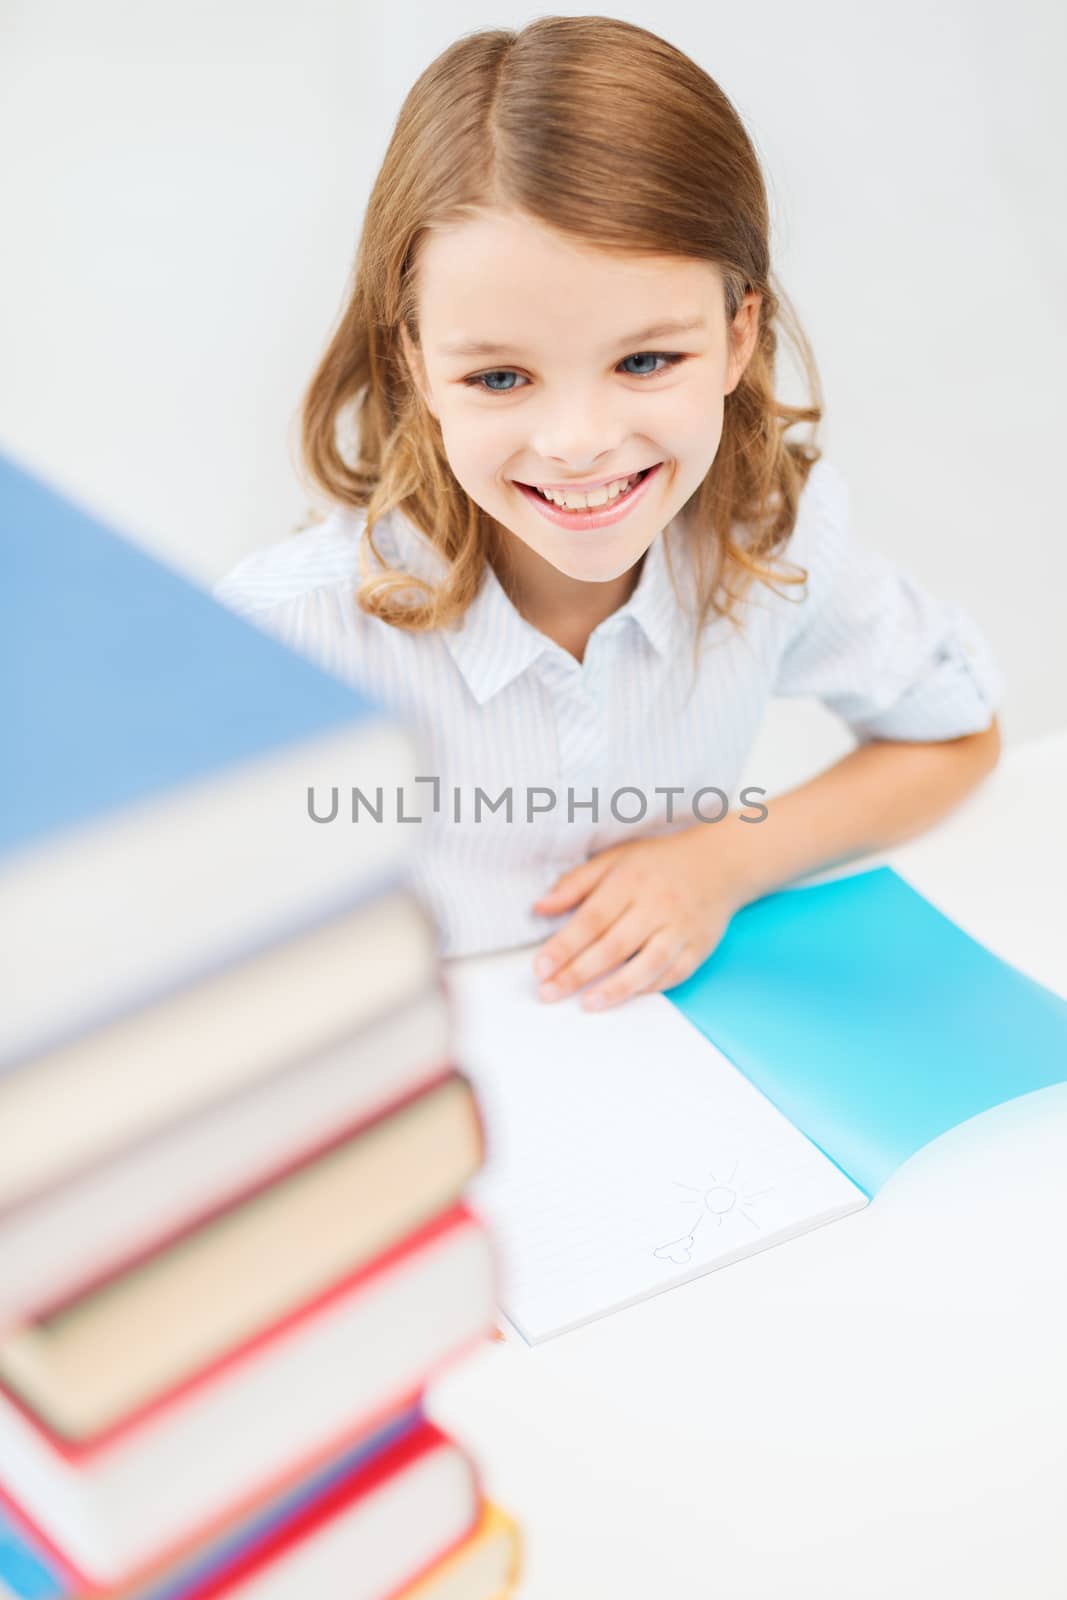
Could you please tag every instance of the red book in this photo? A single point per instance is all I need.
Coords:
(86, 1364)
(272, 1409)
(371, 1522)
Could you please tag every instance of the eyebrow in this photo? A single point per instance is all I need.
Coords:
(486, 347)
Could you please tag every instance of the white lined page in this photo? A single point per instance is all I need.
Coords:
(625, 1153)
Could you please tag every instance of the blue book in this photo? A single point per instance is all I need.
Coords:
(158, 755)
(871, 1019)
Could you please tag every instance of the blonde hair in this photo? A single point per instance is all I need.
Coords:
(545, 122)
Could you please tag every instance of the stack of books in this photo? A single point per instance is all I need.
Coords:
(233, 1244)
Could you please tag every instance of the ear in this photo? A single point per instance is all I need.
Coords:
(416, 367)
(744, 331)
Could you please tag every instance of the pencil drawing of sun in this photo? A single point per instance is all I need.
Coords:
(725, 1200)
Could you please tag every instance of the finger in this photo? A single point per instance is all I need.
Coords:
(574, 885)
(593, 918)
(683, 966)
(690, 958)
(639, 975)
(603, 906)
(620, 935)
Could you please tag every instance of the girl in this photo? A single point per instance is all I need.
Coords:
(561, 490)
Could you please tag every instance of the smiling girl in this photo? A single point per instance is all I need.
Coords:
(568, 535)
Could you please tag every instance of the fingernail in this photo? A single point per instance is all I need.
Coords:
(594, 1002)
(549, 991)
(543, 966)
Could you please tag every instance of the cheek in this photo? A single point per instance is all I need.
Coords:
(474, 458)
(692, 421)
(476, 443)
(467, 432)
(461, 445)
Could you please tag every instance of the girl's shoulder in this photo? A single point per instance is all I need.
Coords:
(321, 556)
(821, 535)
(823, 503)
(814, 545)
(302, 590)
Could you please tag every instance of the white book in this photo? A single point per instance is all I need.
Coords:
(280, 1406)
(57, 1244)
(84, 1103)
(625, 1153)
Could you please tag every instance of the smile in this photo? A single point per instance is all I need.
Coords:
(597, 516)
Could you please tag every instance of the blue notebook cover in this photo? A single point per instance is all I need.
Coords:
(871, 1019)
(29, 1572)
(124, 679)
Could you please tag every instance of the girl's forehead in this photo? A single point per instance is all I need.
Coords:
(495, 239)
(502, 265)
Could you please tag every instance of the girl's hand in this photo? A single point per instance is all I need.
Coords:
(659, 905)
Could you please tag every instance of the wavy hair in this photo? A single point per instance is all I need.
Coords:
(544, 122)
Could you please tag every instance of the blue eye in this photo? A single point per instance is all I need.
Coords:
(671, 358)
(646, 355)
(480, 380)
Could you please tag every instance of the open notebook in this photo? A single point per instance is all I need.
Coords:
(835, 1030)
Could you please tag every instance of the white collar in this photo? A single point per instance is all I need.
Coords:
(492, 643)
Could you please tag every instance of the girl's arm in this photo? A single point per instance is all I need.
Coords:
(878, 795)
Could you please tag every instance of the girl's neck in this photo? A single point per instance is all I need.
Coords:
(566, 610)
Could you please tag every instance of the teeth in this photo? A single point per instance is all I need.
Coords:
(573, 501)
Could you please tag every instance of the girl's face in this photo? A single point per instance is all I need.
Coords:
(576, 381)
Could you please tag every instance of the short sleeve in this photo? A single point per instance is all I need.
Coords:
(873, 645)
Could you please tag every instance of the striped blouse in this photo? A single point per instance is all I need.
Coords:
(538, 761)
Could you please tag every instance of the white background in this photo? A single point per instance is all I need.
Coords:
(182, 187)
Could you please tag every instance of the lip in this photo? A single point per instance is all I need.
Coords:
(602, 516)
(593, 483)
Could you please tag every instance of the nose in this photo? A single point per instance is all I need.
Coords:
(577, 438)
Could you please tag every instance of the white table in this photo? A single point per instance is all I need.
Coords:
(875, 1409)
